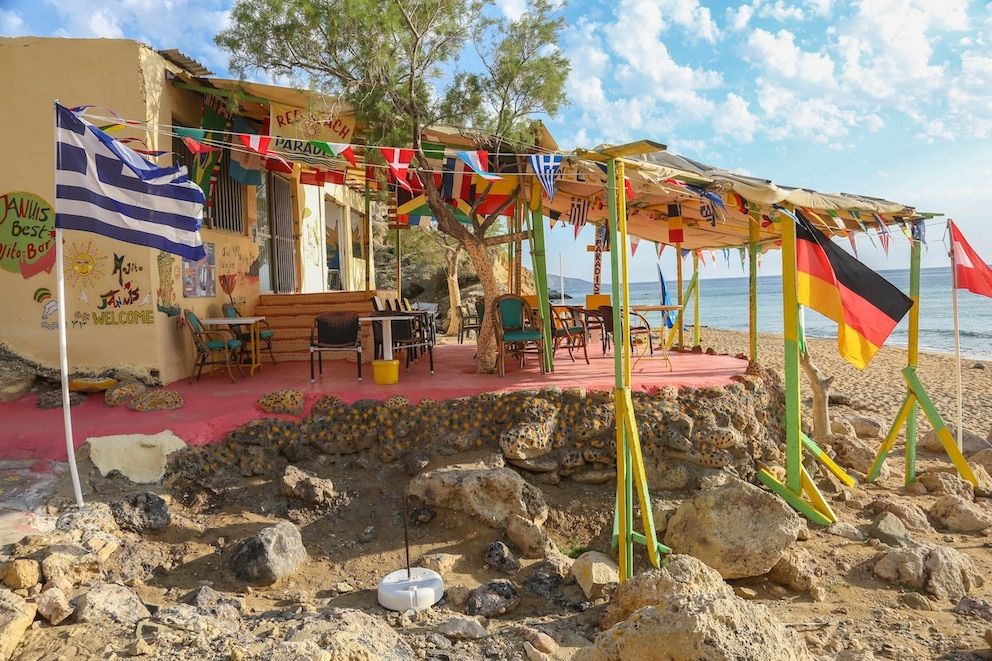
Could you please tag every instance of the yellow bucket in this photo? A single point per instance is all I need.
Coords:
(386, 372)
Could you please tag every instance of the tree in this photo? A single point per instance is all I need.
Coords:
(400, 63)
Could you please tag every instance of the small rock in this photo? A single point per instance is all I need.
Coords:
(54, 606)
(141, 512)
(20, 574)
(500, 558)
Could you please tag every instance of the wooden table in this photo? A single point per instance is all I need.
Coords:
(665, 309)
(253, 328)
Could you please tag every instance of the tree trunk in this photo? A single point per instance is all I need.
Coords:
(451, 256)
(486, 353)
(820, 387)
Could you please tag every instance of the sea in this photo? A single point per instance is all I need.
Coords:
(723, 303)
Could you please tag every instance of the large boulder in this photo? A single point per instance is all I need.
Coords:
(489, 495)
(351, 635)
(268, 555)
(107, 602)
(16, 615)
(943, 572)
(735, 527)
(698, 627)
(681, 575)
(959, 514)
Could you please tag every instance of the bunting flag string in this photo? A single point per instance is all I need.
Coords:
(578, 213)
(919, 230)
(883, 233)
(546, 167)
(905, 230)
(742, 251)
(660, 247)
(477, 160)
(337, 150)
(398, 160)
(260, 144)
(198, 147)
(634, 242)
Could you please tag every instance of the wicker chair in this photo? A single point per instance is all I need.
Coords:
(335, 331)
(518, 330)
(471, 321)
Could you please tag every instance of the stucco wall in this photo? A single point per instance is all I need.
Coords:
(121, 300)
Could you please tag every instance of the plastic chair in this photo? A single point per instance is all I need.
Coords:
(516, 329)
(335, 331)
(638, 326)
(265, 334)
(213, 347)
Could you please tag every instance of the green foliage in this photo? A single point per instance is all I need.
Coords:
(398, 62)
(573, 548)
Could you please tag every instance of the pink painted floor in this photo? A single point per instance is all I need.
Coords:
(215, 406)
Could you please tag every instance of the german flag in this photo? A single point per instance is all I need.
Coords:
(865, 305)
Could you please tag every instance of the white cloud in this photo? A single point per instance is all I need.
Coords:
(820, 7)
(791, 117)
(886, 49)
(512, 9)
(734, 118)
(779, 11)
(189, 25)
(779, 57)
(12, 25)
(739, 18)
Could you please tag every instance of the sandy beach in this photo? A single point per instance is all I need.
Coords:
(879, 389)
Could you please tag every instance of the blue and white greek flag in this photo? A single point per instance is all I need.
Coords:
(102, 186)
(546, 166)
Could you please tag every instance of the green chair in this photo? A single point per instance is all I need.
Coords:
(569, 330)
(518, 331)
(213, 347)
(265, 333)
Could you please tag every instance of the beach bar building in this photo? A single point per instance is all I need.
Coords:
(268, 230)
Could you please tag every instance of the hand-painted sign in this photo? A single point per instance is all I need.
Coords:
(293, 129)
(27, 234)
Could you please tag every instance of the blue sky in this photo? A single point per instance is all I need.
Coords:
(886, 98)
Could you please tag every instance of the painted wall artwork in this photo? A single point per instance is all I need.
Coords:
(200, 278)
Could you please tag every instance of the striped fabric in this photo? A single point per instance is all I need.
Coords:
(101, 186)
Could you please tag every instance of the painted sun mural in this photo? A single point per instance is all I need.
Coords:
(84, 265)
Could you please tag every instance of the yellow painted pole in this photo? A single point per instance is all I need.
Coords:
(753, 286)
(695, 300)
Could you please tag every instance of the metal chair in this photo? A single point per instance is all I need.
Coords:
(639, 326)
(265, 334)
(213, 347)
(335, 331)
(517, 329)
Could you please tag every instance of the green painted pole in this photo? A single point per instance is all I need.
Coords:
(790, 315)
(540, 263)
(913, 356)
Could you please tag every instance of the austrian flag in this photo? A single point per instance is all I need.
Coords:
(260, 144)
